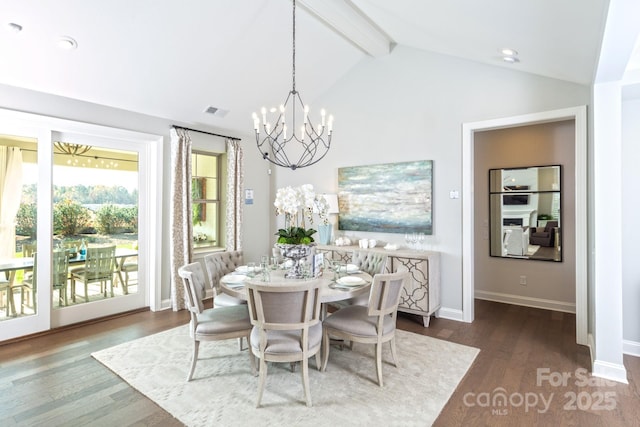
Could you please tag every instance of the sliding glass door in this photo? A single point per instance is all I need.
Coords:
(75, 248)
(95, 227)
(18, 226)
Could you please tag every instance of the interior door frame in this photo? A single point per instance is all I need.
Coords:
(579, 115)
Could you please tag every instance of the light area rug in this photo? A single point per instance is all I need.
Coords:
(223, 391)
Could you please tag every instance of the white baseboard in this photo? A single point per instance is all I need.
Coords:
(610, 371)
(450, 314)
(632, 348)
(546, 304)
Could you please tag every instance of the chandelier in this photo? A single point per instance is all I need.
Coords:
(283, 142)
(71, 149)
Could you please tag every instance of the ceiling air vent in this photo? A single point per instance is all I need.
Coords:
(217, 112)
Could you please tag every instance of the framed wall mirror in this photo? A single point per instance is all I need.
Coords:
(524, 212)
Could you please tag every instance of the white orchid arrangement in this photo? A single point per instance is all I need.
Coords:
(299, 204)
(322, 206)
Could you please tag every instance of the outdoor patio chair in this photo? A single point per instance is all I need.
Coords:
(60, 277)
(99, 267)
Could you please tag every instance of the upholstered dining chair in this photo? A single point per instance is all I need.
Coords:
(99, 267)
(212, 324)
(371, 324)
(60, 277)
(217, 265)
(286, 327)
(371, 263)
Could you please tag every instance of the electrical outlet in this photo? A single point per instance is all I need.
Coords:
(523, 280)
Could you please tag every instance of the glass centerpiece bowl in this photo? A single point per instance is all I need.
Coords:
(295, 240)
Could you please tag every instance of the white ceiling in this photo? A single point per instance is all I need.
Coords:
(173, 59)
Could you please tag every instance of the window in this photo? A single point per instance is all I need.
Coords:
(205, 199)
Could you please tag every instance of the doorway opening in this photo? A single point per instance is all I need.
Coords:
(579, 116)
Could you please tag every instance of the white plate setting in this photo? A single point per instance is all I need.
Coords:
(351, 281)
(234, 280)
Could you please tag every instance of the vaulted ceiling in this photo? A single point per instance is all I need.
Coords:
(173, 59)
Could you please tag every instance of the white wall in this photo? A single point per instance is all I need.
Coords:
(631, 231)
(410, 105)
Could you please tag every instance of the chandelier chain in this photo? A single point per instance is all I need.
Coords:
(293, 73)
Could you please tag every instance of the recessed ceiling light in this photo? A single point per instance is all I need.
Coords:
(16, 28)
(67, 43)
(509, 55)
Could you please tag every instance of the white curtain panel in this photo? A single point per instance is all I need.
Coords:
(10, 194)
(180, 215)
(235, 185)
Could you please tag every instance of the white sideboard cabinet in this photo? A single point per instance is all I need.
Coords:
(421, 295)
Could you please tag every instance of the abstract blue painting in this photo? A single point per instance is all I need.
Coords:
(386, 198)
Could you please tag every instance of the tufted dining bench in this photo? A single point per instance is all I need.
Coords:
(217, 265)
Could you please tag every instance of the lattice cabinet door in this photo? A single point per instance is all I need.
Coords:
(421, 294)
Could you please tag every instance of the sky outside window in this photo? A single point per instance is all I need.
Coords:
(71, 175)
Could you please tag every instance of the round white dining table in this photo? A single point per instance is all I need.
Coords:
(330, 291)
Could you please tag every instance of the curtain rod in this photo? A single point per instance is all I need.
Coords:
(208, 133)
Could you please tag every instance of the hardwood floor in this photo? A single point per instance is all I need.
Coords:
(53, 380)
(530, 357)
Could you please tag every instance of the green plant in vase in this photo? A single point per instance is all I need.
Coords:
(295, 235)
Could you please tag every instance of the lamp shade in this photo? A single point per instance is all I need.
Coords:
(332, 200)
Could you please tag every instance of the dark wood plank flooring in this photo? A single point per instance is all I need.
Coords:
(53, 380)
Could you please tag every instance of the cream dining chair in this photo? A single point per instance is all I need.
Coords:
(371, 324)
(286, 327)
(213, 324)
